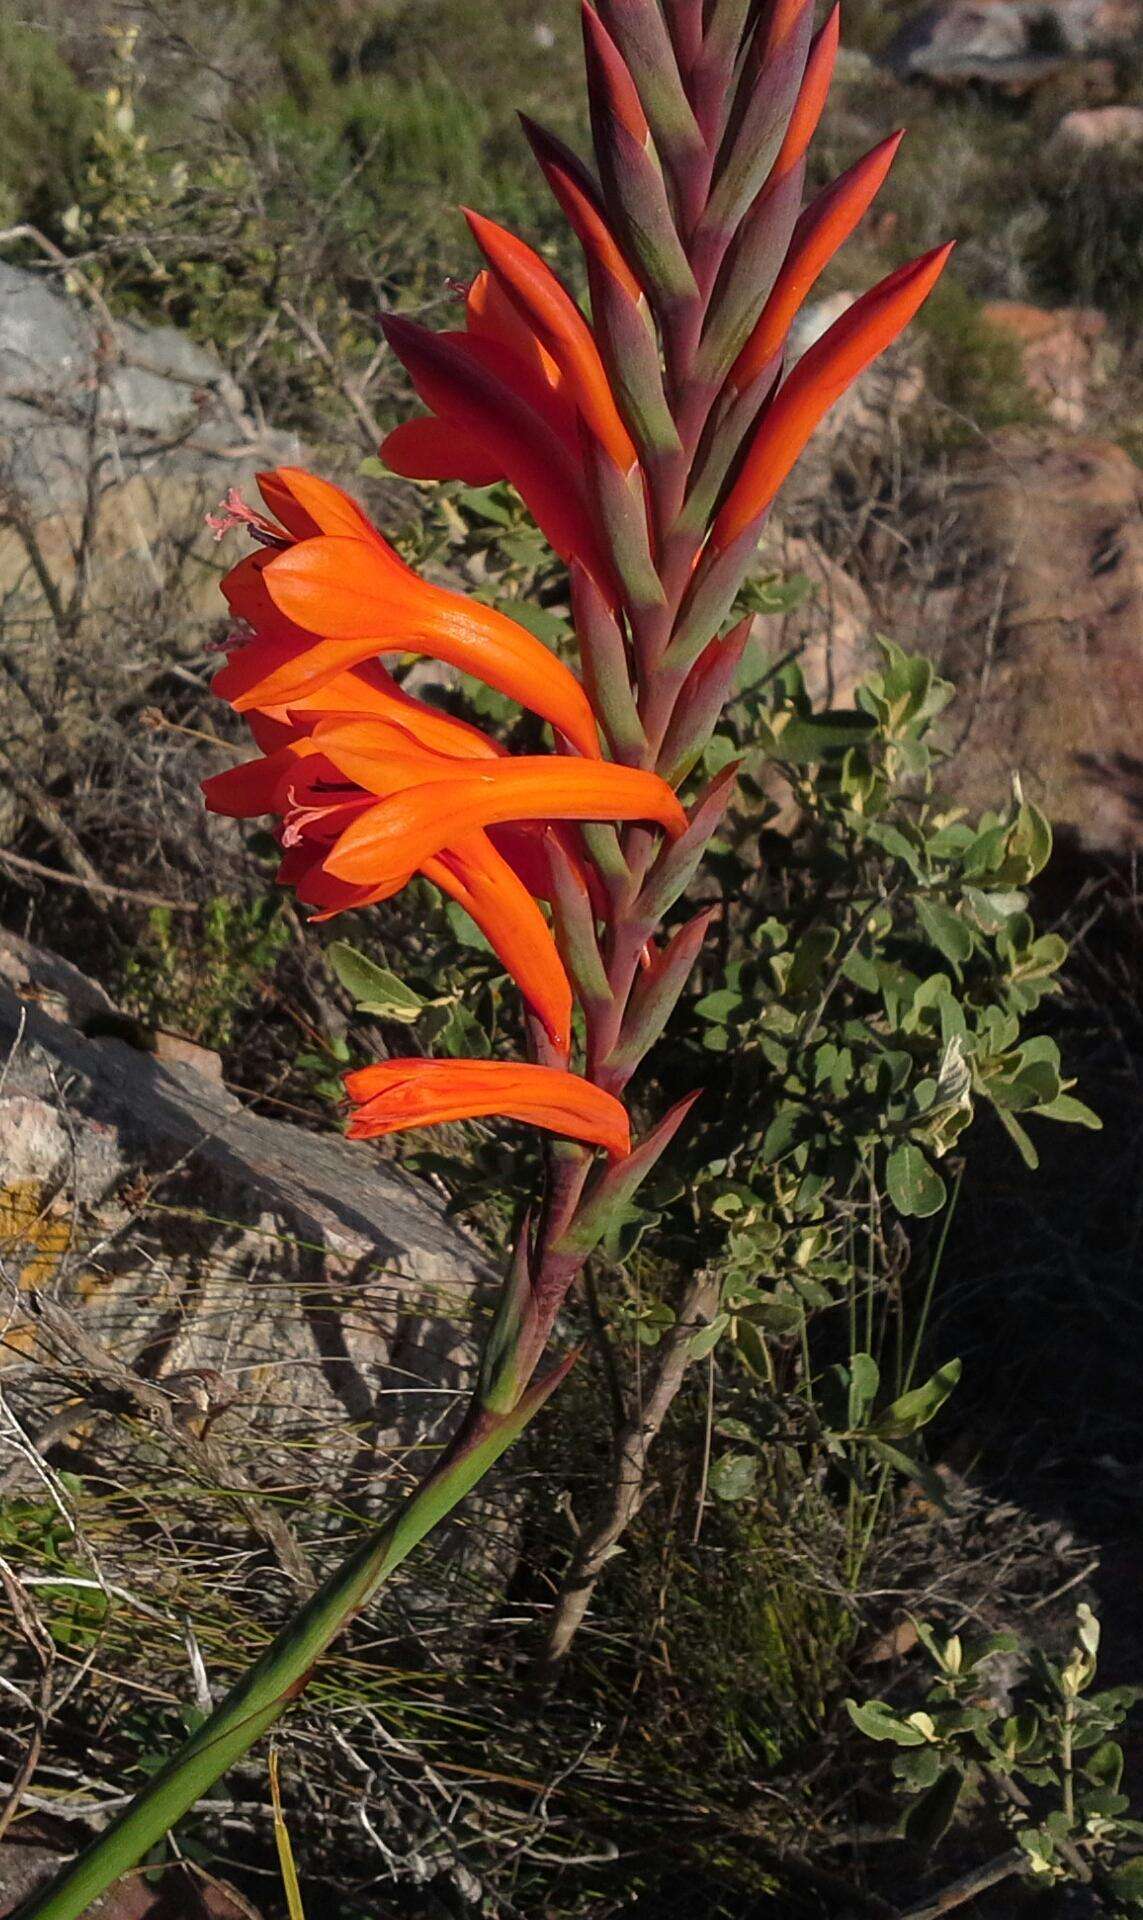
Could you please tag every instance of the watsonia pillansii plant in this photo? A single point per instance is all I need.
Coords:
(648, 444)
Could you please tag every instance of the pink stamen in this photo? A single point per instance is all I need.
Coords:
(299, 818)
(234, 512)
(240, 635)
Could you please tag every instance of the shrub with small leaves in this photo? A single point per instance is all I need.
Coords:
(1045, 1758)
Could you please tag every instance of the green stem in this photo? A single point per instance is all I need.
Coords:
(263, 1694)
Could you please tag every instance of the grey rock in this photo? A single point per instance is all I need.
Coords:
(137, 396)
(312, 1286)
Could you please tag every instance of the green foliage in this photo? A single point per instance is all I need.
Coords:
(882, 967)
(974, 371)
(197, 976)
(1088, 248)
(1045, 1758)
(47, 120)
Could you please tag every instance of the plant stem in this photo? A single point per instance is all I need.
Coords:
(284, 1670)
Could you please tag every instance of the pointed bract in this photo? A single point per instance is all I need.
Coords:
(819, 379)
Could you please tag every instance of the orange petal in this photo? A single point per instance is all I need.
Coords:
(481, 880)
(823, 227)
(432, 449)
(369, 692)
(490, 315)
(390, 841)
(348, 593)
(820, 377)
(539, 463)
(419, 1093)
(306, 505)
(546, 307)
(259, 786)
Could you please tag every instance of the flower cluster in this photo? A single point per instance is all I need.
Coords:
(371, 786)
(648, 443)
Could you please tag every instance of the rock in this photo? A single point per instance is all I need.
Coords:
(942, 40)
(1060, 353)
(27, 1868)
(115, 441)
(831, 632)
(267, 1282)
(156, 417)
(1089, 26)
(1049, 653)
(1096, 129)
(1011, 45)
(961, 43)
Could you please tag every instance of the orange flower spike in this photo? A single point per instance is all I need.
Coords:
(422, 1093)
(407, 827)
(824, 226)
(358, 599)
(549, 310)
(820, 377)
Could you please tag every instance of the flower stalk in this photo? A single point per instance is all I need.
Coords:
(648, 443)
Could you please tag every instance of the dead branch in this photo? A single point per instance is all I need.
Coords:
(19, 863)
(629, 1477)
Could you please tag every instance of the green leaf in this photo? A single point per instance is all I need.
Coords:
(1105, 1765)
(546, 626)
(719, 1005)
(879, 1722)
(946, 930)
(810, 956)
(1022, 1143)
(864, 1380)
(733, 1475)
(1127, 1881)
(804, 739)
(1074, 1112)
(707, 1338)
(913, 1468)
(915, 1188)
(916, 1408)
(373, 989)
(929, 1818)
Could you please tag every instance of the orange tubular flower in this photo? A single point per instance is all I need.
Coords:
(412, 819)
(316, 802)
(548, 309)
(332, 593)
(424, 1093)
